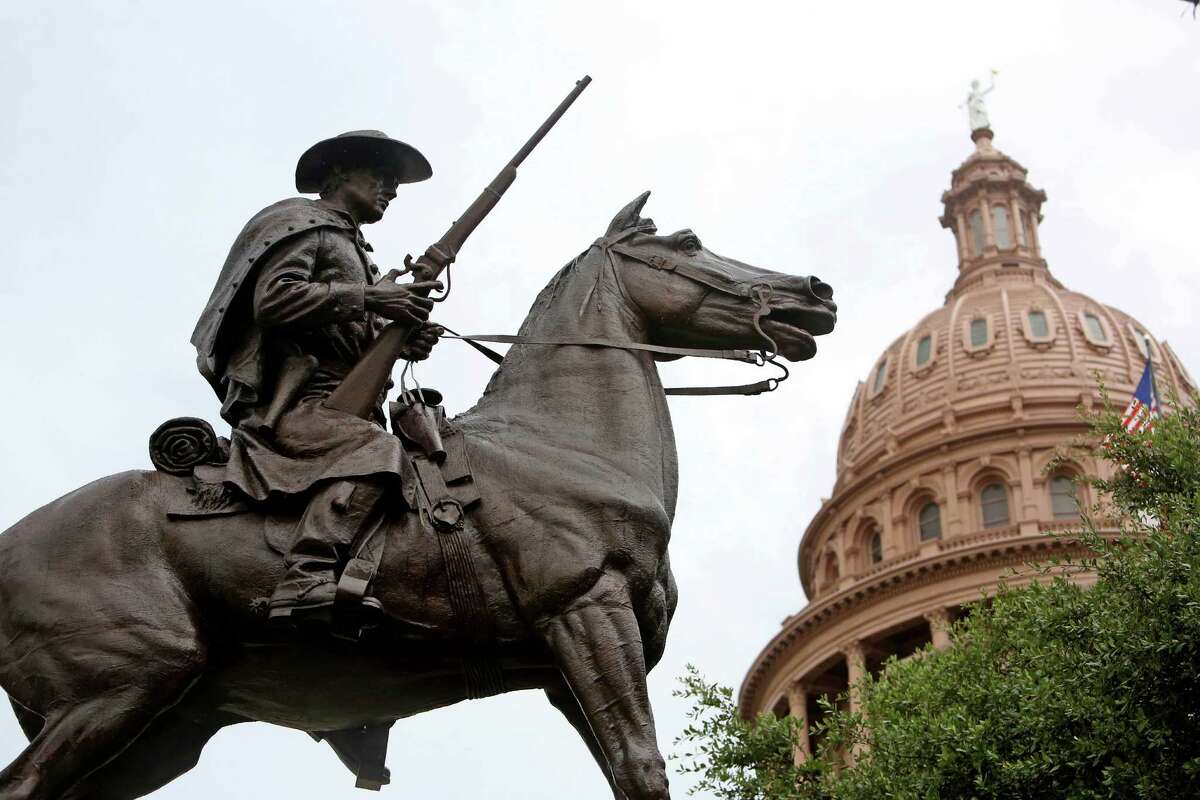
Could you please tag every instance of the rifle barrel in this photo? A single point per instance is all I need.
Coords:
(541, 132)
(360, 389)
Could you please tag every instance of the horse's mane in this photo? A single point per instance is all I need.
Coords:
(545, 298)
(541, 304)
(549, 293)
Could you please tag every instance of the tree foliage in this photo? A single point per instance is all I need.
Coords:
(1050, 689)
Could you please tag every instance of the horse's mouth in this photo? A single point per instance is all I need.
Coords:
(795, 343)
(793, 327)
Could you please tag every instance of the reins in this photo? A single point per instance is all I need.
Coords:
(760, 293)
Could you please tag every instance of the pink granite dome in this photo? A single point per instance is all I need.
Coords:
(948, 476)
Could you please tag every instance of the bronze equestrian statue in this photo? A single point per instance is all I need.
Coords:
(134, 611)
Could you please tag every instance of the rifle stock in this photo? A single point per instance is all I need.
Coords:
(359, 391)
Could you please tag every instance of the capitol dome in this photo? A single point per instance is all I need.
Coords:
(942, 483)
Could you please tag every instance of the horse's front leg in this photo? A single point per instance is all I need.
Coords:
(562, 698)
(599, 650)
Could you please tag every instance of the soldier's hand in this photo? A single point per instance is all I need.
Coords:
(421, 343)
(400, 301)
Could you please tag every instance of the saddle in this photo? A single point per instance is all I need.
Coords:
(446, 490)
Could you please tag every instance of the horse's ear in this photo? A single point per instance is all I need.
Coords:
(630, 216)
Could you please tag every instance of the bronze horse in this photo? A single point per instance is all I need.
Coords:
(124, 635)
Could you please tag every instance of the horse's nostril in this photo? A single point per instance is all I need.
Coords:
(820, 289)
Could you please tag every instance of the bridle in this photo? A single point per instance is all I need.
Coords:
(759, 293)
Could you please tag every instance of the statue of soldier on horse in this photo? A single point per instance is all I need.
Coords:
(520, 545)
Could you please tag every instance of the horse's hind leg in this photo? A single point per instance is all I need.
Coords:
(167, 749)
(81, 735)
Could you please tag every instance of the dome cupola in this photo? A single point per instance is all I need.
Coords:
(993, 213)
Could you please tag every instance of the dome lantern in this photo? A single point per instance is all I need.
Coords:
(993, 213)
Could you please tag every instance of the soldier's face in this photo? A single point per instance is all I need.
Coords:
(366, 194)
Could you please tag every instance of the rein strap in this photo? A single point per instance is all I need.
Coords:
(759, 293)
(745, 356)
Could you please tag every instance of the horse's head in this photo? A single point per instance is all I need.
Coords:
(691, 297)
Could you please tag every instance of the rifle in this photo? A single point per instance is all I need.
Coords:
(359, 390)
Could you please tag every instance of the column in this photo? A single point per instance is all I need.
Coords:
(1015, 222)
(985, 208)
(856, 669)
(939, 627)
(1025, 499)
(954, 513)
(893, 542)
(797, 696)
(964, 249)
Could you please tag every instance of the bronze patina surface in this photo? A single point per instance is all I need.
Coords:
(135, 635)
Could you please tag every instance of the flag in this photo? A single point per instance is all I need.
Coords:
(1143, 408)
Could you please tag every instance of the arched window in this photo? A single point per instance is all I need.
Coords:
(1064, 501)
(1142, 341)
(993, 500)
(1000, 225)
(977, 235)
(924, 349)
(1039, 328)
(876, 546)
(880, 377)
(831, 570)
(929, 522)
(979, 332)
(1094, 329)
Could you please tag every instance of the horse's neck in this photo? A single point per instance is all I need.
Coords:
(594, 403)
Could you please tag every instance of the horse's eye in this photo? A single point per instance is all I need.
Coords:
(690, 243)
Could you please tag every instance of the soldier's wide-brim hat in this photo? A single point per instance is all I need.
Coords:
(357, 149)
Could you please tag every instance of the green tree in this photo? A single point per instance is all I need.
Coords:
(1050, 690)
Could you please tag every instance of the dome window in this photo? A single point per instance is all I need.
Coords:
(831, 570)
(1064, 502)
(978, 237)
(993, 501)
(979, 333)
(924, 349)
(1141, 340)
(1093, 329)
(1038, 326)
(1039, 330)
(929, 522)
(880, 379)
(1001, 228)
(876, 546)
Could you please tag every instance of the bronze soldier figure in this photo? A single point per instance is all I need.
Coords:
(297, 303)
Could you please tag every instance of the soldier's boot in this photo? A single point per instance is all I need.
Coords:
(337, 513)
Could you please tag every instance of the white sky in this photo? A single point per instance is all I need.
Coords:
(805, 137)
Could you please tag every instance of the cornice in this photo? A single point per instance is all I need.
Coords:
(957, 556)
(932, 453)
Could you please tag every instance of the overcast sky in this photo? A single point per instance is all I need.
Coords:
(811, 138)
